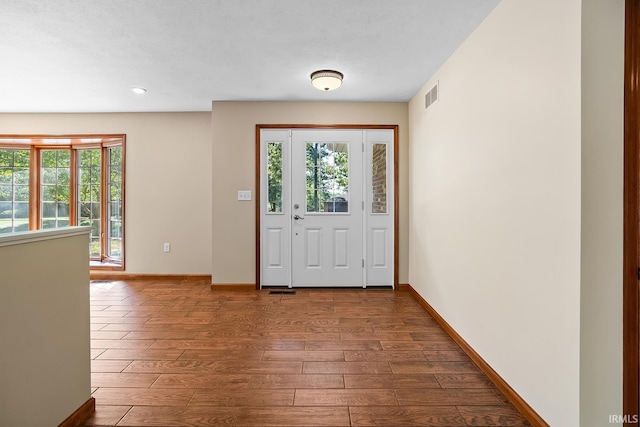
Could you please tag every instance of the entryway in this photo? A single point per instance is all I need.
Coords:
(327, 206)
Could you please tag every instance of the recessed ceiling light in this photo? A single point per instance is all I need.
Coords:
(326, 79)
(138, 90)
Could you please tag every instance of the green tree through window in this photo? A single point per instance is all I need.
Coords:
(274, 174)
(89, 193)
(55, 182)
(327, 177)
(14, 190)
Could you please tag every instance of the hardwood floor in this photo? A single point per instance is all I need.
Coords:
(178, 354)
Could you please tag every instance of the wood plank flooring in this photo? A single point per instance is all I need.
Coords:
(177, 354)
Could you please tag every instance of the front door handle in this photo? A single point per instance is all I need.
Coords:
(297, 217)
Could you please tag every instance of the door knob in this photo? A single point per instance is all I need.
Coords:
(297, 217)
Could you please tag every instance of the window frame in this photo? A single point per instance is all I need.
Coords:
(17, 147)
(36, 143)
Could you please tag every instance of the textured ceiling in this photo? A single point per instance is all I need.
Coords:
(85, 55)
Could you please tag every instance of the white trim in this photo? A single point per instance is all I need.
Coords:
(40, 235)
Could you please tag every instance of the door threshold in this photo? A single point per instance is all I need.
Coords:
(282, 292)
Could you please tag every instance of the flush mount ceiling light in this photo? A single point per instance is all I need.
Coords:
(326, 79)
(138, 90)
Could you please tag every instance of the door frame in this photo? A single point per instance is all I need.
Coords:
(396, 209)
(631, 272)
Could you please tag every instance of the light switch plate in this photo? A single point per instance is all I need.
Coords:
(244, 195)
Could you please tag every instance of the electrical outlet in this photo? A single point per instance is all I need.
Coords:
(167, 247)
(244, 195)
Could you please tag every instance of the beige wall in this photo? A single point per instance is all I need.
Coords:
(602, 202)
(45, 371)
(168, 182)
(495, 199)
(234, 169)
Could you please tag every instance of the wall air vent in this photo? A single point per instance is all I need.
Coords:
(431, 96)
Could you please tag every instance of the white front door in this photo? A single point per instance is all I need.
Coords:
(326, 188)
(326, 207)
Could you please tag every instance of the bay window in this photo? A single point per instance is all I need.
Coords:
(59, 181)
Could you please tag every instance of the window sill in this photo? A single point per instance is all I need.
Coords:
(105, 265)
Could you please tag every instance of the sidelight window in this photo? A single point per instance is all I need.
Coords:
(274, 176)
(379, 178)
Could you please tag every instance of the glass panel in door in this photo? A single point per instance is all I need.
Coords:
(327, 177)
